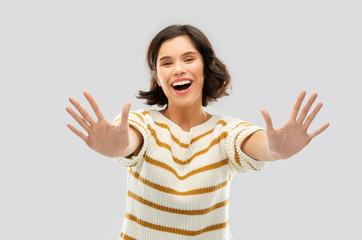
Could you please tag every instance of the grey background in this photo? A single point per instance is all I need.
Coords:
(53, 187)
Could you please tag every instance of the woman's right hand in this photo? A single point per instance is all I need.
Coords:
(109, 139)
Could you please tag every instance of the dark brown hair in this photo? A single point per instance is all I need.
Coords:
(216, 76)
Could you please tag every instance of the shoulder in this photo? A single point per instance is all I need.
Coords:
(230, 122)
(148, 117)
(141, 115)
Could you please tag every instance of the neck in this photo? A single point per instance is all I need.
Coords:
(186, 117)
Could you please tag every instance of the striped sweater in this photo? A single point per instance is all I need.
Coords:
(178, 182)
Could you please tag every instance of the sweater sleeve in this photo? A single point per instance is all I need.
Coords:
(138, 121)
(237, 133)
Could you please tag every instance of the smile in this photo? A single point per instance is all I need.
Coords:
(182, 87)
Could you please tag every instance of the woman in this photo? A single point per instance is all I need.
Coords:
(181, 159)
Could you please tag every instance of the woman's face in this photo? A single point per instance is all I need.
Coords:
(180, 72)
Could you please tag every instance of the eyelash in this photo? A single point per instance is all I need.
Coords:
(187, 60)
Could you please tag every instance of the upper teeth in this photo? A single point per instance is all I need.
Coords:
(181, 83)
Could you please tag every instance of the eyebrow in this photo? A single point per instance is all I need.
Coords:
(186, 53)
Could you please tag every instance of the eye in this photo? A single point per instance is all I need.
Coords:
(189, 59)
(166, 63)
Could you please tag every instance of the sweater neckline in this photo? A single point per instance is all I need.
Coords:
(202, 126)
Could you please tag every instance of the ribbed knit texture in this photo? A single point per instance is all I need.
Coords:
(178, 183)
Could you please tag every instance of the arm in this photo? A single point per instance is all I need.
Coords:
(135, 143)
(255, 146)
(284, 142)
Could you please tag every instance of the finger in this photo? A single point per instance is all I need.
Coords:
(125, 113)
(80, 120)
(297, 105)
(82, 111)
(77, 132)
(319, 131)
(267, 118)
(306, 108)
(311, 116)
(94, 105)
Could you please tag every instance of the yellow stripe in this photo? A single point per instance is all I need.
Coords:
(138, 124)
(115, 120)
(135, 153)
(175, 210)
(242, 123)
(236, 155)
(255, 169)
(237, 158)
(208, 132)
(185, 145)
(139, 116)
(176, 230)
(175, 192)
(176, 140)
(232, 162)
(126, 237)
(145, 113)
(196, 171)
(168, 147)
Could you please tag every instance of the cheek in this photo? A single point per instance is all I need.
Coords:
(162, 75)
(198, 69)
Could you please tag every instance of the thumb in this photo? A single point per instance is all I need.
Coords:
(125, 113)
(267, 119)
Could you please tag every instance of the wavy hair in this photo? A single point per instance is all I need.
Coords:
(217, 79)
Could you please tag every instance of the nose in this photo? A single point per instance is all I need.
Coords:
(179, 68)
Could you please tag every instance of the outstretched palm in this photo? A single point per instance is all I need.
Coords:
(292, 137)
(103, 137)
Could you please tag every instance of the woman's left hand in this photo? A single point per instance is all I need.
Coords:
(292, 137)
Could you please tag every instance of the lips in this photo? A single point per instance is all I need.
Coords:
(183, 86)
(181, 89)
(177, 81)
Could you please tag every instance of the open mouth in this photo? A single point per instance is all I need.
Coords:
(182, 87)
